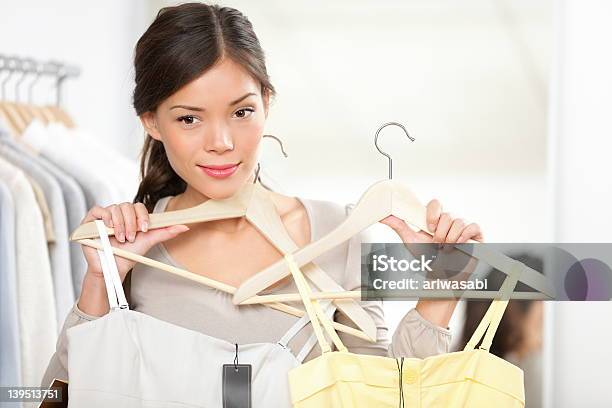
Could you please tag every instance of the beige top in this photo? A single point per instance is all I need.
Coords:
(197, 307)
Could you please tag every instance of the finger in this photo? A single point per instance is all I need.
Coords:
(129, 220)
(142, 214)
(434, 211)
(118, 222)
(98, 213)
(472, 231)
(444, 225)
(455, 230)
(407, 234)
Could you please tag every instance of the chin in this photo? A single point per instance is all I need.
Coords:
(222, 190)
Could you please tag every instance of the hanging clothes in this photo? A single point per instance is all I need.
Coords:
(470, 378)
(41, 200)
(69, 154)
(59, 250)
(124, 172)
(10, 363)
(130, 370)
(35, 298)
(75, 205)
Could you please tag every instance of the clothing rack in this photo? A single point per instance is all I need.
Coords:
(26, 66)
(46, 187)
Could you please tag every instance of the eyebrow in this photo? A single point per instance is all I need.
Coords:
(198, 109)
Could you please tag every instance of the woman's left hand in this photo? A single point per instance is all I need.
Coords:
(444, 227)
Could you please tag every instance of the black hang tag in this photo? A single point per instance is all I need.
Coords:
(236, 386)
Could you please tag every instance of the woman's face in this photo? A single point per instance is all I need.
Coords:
(216, 120)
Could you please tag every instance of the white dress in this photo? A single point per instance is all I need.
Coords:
(130, 359)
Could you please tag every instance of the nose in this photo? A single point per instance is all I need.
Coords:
(218, 140)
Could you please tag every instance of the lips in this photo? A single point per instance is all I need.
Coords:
(220, 167)
(220, 170)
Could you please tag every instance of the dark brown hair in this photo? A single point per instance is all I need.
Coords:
(509, 334)
(180, 45)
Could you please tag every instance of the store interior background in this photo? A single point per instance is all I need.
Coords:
(508, 102)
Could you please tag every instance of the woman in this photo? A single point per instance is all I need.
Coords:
(202, 93)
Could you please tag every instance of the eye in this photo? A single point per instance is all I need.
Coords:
(244, 112)
(188, 120)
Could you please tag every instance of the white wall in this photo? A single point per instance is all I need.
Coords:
(581, 169)
(99, 38)
(469, 80)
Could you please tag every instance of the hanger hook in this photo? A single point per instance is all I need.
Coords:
(2, 68)
(279, 142)
(259, 165)
(37, 70)
(385, 154)
(25, 70)
(61, 77)
(9, 66)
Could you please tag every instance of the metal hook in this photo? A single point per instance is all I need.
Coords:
(259, 165)
(2, 65)
(37, 70)
(385, 154)
(279, 142)
(23, 67)
(59, 72)
(9, 66)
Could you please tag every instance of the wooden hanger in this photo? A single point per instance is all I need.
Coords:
(7, 110)
(18, 115)
(60, 115)
(15, 119)
(382, 199)
(7, 121)
(251, 201)
(62, 72)
(23, 109)
(35, 111)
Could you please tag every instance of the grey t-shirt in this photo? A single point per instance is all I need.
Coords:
(196, 307)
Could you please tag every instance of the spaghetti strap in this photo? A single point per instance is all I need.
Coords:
(313, 338)
(112, 280)
(490, 322)
(329, 309)
(299, 324)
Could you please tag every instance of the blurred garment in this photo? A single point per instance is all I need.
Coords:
(71, 156)
(532, 369)
(10, 363)
(59, 252)
(35, 299)
(75, 206)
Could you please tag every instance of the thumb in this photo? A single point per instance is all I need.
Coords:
(158, 235)
(402, 229)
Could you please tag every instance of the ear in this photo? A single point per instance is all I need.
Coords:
(149, 123)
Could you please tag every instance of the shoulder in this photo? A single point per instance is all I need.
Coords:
(313, 216)
(326, 214)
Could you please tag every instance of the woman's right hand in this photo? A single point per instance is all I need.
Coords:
(130, 223)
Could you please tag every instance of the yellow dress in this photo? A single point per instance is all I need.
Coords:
(472, 377)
